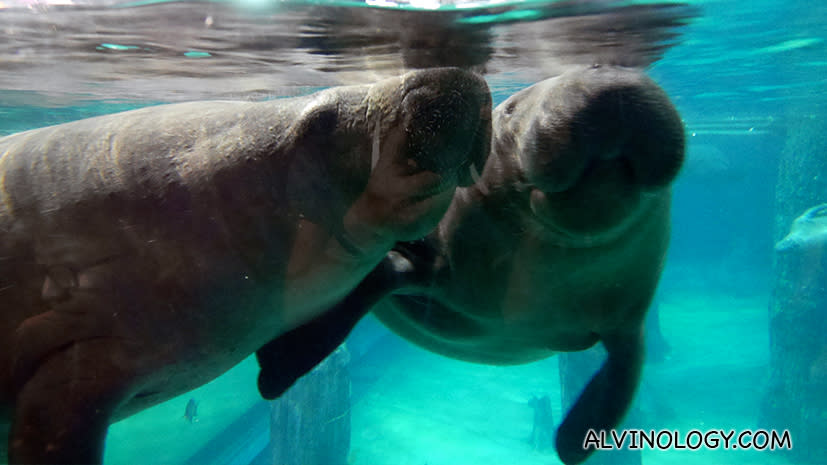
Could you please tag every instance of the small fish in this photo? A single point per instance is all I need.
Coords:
(191, 412)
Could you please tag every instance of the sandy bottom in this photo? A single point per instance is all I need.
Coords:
(161, 434)
(430, 410)
(426, 409)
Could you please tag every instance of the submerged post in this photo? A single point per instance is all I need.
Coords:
(310, 423)
(795, 397)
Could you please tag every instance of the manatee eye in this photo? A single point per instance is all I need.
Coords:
(510, 107)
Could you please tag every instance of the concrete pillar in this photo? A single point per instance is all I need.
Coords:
(310, 423)
(796, 397)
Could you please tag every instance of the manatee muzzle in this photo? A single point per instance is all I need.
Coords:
(447, 124)
(598, 144)
(632, 125)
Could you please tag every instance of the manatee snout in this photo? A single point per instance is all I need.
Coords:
(648, 133)
(788, 244)
(599, 115)
(428, 129)
(593, 148)
(807, 232)
(447, 120)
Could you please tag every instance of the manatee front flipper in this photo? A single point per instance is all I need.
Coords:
(293, 354)
(607, 397)
(68, 373)
(62, 412)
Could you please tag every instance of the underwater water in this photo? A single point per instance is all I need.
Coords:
(749, 79)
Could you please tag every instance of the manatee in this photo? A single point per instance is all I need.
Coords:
(144, 253)
(558, 245)
(808, 231)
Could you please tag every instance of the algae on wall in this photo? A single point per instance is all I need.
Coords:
(802, 171)
(798, 349)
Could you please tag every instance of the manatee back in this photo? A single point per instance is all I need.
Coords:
(139, 152)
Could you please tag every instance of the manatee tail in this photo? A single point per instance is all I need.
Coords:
(605, 400)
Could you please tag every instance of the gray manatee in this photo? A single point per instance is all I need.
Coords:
(807, 231)
(558, 245)
(143, 254)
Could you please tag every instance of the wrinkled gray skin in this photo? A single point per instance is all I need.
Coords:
(143, 254)
(559, 244)
(808, 231)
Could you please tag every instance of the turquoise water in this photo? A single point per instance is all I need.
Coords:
(749, 79)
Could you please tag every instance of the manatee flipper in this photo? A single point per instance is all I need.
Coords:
(293, 354)
(63, 410)
(607, 397)
(36, 338)
(68, 373)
